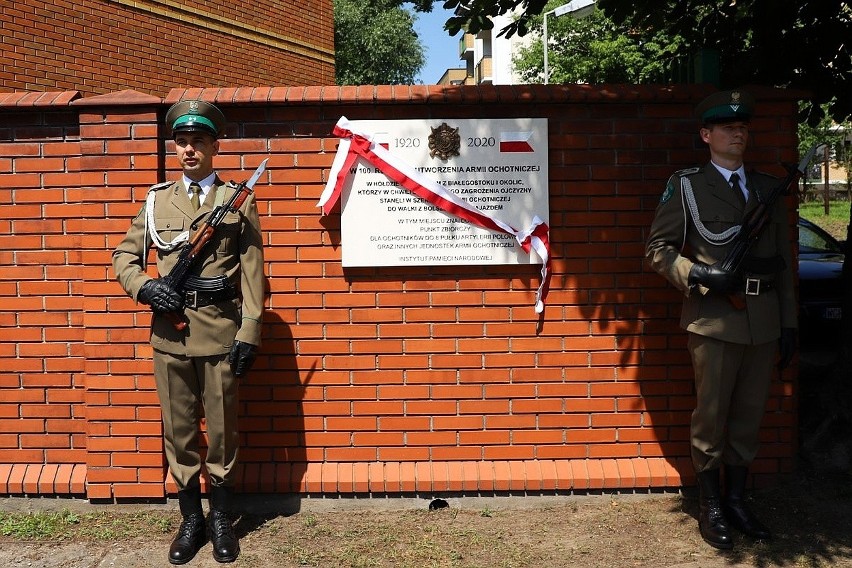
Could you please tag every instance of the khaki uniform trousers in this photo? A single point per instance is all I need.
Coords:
(185, 386)
(731, 386)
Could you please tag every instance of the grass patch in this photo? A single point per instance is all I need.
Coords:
(834, 223)
(37, 526)
(65, 524)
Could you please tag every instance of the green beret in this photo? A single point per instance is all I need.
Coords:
(726, 106)
(195, 116)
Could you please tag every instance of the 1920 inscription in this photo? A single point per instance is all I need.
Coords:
(499, 167)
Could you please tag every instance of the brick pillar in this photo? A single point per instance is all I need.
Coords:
(42, 437)
(120, 159)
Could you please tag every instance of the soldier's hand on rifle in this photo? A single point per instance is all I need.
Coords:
(160, 296)
(241, 357)
(714, 278)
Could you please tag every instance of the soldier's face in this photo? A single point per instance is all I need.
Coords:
(727, 141)
(195, 151)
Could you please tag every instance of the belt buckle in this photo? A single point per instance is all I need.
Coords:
(192, 299)
(752, 287)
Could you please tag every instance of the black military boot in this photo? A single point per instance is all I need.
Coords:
(192, 534)
(735, 508)
(226, 545)
(711, 521)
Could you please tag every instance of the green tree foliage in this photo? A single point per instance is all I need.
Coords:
(801, 44)
(475, 15)
(592, 50)
(375, 42)
(786, 43)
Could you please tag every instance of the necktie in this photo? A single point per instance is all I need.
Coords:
(734, 180)
(195, 190)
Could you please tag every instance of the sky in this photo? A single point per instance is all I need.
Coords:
(441, 49)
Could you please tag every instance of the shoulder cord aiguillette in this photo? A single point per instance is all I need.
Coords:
(152, 229)
(722, 238)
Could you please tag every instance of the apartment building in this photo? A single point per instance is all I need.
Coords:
(488, 56)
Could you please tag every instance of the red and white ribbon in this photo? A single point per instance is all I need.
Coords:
(355, 144)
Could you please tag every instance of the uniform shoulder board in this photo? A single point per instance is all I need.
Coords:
(687, 172)
(162, 185)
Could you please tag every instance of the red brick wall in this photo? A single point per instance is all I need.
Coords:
(151, 46)
(415, 379)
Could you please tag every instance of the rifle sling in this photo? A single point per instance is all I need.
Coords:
(220, 196)
(201, 284)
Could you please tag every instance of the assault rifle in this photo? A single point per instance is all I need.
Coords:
(178, 275)
(754, 224)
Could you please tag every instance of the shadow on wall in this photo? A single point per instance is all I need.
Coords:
(272, 417)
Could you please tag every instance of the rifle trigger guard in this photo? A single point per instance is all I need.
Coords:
(752, 287)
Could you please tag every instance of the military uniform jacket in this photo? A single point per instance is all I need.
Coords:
(675, 243)
(235, 251)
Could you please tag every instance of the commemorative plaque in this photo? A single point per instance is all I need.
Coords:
(497, 166)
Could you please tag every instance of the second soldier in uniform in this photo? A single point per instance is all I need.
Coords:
(197, 368)
(734, 349)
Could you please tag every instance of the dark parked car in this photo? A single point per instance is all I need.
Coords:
(820, 285)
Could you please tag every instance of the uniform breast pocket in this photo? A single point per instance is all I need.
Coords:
(228, 232)
(168, 228)
(720, 222)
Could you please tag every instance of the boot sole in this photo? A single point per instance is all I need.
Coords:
(225, 559)
(188, 560)
(719, 545)
(182, 562)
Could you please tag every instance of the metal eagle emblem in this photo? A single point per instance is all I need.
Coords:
(735, 101)
(444, 142)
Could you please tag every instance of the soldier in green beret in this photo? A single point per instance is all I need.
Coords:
(197, 368)
(734, 349)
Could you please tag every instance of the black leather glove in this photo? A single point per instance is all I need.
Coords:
(241, 357)
(160, 296)
(787, 346)
(714, 278)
